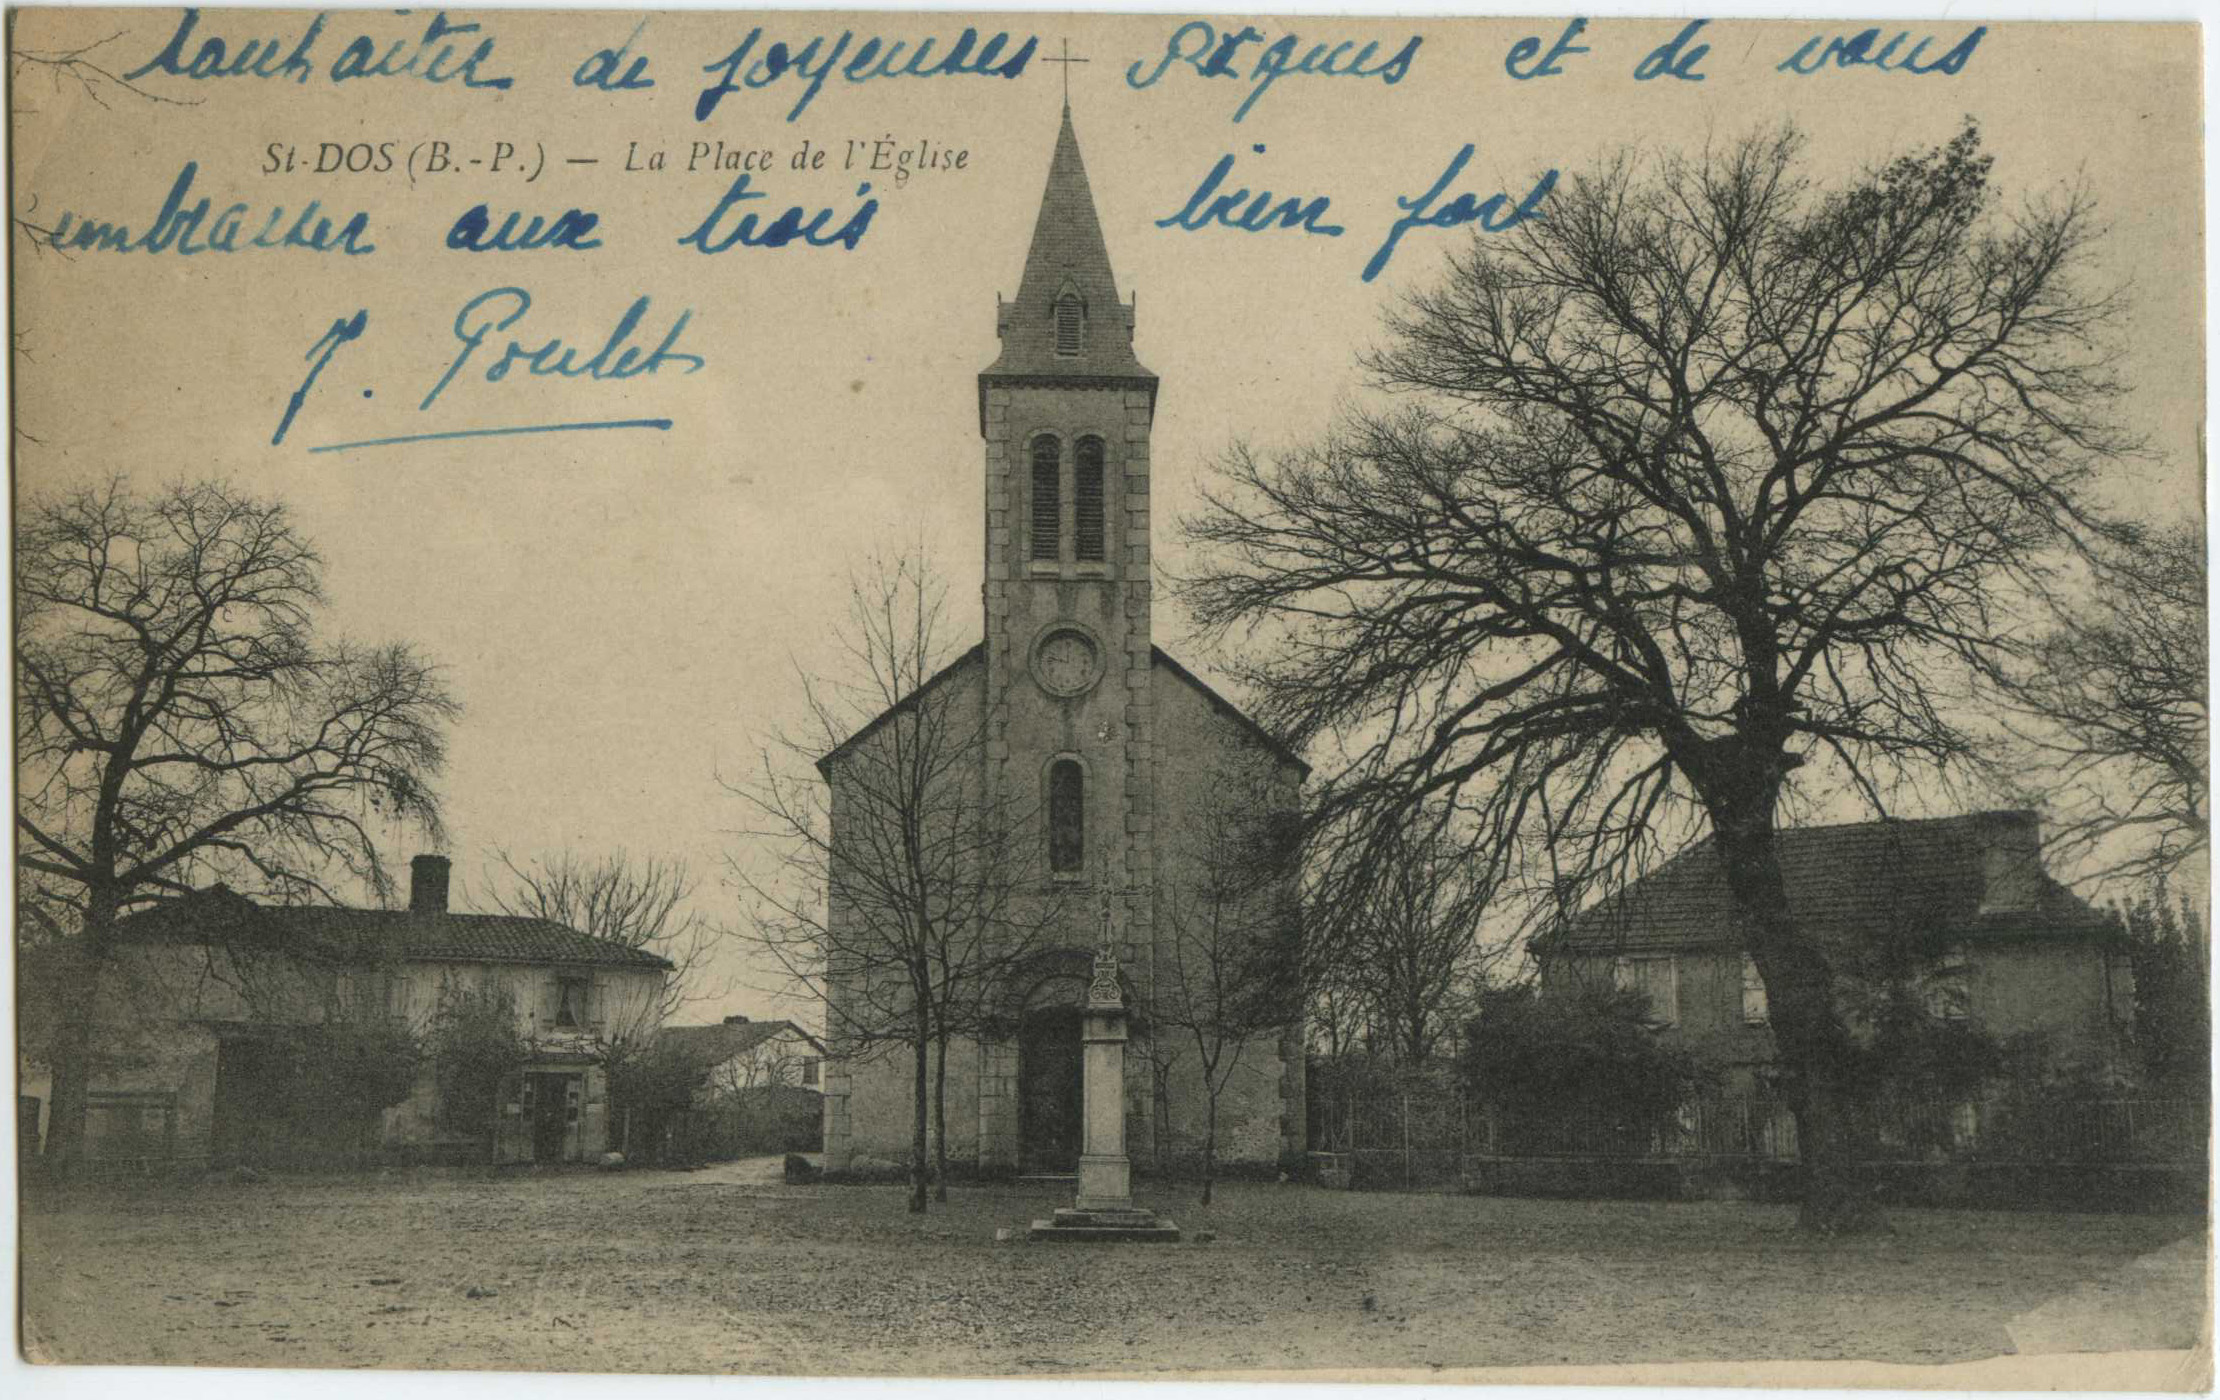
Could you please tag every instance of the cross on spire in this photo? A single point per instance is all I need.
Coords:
(1067, 60)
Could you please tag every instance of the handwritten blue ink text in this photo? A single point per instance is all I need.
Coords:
(795, 225)
(502, 307)
(1489, 213)
(1197, 44)
(1250, 214)
(1865, 49)
(813, 63)
(430, 59)
(188, 230)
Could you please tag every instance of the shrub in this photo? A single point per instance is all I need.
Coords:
(474, 1045)
(352, 1069)
(650, 1089)
(2173, 1013)
(1588, 1055)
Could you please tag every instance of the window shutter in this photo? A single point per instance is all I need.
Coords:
(1755, 1010)
(1069, 323)
(1655, 979)
(1048, 500)
(1087, 502)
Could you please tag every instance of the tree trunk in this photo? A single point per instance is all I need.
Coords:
(1814, 1047)
(73, 1044)
(1210, 1139)
(923, 1045)
(940, 1119)
(65, 1114)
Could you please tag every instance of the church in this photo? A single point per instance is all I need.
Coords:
(1123, 762)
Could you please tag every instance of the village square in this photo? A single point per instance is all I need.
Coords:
(1670, 833)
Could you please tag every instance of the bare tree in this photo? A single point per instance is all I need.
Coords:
(640, 903)
(1231, 957)
(905, 890)
(1717, 487)
(177, 720)
(78, 72)
(771, 1064)
(1414, 956)
(2110, 712)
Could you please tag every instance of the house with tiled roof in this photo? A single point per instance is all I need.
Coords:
(212, 996)
(739, 1054)
(1960, 906)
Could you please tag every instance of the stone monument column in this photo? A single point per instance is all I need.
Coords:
(1105, 1176)
(1104, 1209)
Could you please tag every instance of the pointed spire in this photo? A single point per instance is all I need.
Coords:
(1067, 258)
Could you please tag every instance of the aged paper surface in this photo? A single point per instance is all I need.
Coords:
(596, 355)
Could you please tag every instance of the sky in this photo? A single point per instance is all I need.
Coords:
(626, 613)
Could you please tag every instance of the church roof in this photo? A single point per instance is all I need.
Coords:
(1161, 657)
(1232, 711)
(976, 652)
(1067, 255)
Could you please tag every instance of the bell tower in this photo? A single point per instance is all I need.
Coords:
(1065, 411)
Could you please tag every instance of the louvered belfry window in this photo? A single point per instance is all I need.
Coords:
(1069, 322)
(1087, 500)
(1048, 499)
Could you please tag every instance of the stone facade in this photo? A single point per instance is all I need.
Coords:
(1147, 739)
(198, 988)
(1988, 936)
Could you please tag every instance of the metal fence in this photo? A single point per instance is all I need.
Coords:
(1415, 1139)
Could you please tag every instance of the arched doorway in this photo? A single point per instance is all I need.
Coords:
(1049, 1125)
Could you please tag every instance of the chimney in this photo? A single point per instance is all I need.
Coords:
(428, 885)
(736, 1020)
(2011, 862)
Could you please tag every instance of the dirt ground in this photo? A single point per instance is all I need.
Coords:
(730, 1270)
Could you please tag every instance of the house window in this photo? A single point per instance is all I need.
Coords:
(570, 1004)
(1070, 319)
(1657, 979)
(1948, 991)
(1048, 498)
(809, 1071)
(1755, 1011)
(1087, 499)
(1067, 817)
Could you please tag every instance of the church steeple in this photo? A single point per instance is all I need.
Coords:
(1067, 322)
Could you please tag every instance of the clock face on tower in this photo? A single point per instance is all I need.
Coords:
(1066, 662)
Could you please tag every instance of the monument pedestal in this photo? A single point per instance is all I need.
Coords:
(1104, 1208)
(1071, 1225)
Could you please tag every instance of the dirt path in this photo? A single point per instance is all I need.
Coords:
(733, 1270)
(748, 1171)
(2157, 1302)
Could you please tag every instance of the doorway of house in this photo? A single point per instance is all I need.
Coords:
(554, 1112)
(251, 1079)
(1049, 1091)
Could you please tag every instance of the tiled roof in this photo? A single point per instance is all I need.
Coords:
(221, 915)
(1067, 252)
(713, 1045)
(1861, 881)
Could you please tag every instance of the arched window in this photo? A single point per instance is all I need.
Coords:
(1067, 817)
(1070, 320)
(1087, 502)
(1048, 498)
